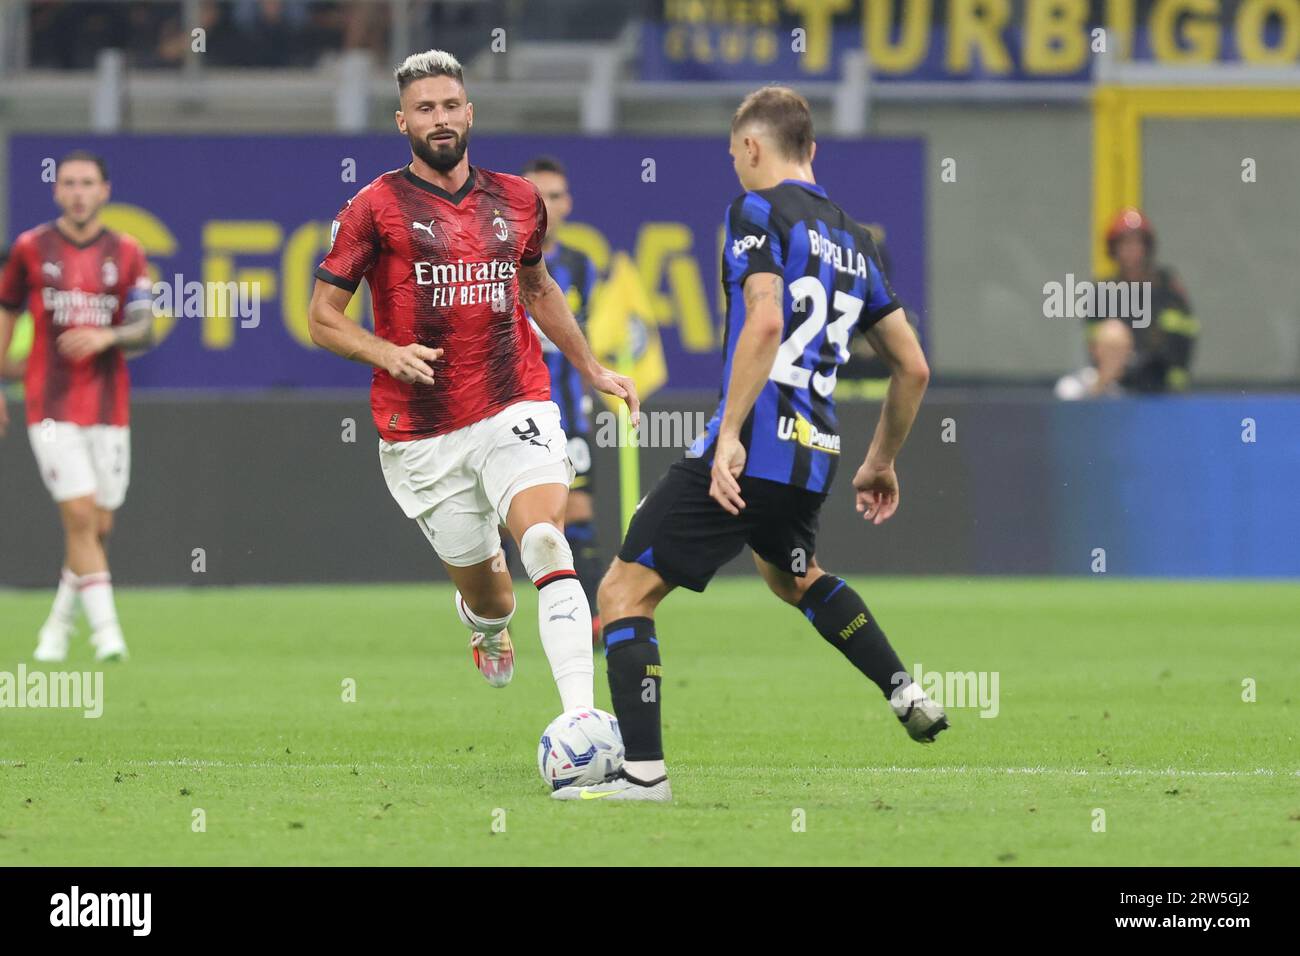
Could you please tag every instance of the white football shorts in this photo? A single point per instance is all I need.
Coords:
(80, 460)
(458, 487)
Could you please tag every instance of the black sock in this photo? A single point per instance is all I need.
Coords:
(635, 675)
(841, 616)
(586, 560)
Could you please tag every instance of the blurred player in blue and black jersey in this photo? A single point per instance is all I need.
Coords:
(800, 276)
(576, 275)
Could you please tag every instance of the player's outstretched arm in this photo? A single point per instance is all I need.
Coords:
(547, 305)
(331, 329)
(876, 482)
(751, 365)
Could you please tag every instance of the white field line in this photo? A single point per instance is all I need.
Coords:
(723, 771)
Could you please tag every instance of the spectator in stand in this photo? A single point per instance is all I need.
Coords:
(1149, 358)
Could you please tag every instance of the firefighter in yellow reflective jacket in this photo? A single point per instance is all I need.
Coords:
(1149, 356)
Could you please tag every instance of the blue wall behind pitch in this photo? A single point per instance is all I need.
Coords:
(1168, 487)
(1029, 486)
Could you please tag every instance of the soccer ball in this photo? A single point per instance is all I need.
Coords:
(581, 747)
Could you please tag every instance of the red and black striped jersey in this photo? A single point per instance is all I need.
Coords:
(442, 272)
(65, 284)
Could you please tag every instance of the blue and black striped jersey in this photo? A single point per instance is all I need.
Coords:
(834, 286)
(575, 274)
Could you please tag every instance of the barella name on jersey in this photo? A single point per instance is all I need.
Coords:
(467, 283)
(805, 433)
(75, 307)
(829, 251)
(833, 253)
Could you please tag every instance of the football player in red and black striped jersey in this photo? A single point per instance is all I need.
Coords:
(469, 436)
(88, 290)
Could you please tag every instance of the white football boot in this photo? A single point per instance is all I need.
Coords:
(921, 717)
(109, 644)
(51, 644)
(620, 787)
(494, 656)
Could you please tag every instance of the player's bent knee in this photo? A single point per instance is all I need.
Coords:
(544, 549)
(627, 590)
(534, 505)
(788, 591)
(607, 594)
(80, 518)
(791, 589)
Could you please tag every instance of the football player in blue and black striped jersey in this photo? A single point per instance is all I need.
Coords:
(800, 277)
(576, 276)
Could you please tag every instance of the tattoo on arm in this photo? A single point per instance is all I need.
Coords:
(545, 300)
(136, 334)
(763, 288)
(535, 284)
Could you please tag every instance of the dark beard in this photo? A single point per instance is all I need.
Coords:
(443, 158)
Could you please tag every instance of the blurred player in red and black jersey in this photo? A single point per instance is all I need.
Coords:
(576, 275)
(14, 361)
(88, 291)
(469, 436)
(1126, 356)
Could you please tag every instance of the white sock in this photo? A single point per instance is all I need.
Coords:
(484, 625)
(63, 614)
(645, 770)
(97, 601)
(563, 615)
(903, 697)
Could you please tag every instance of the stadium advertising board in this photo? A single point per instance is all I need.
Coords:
(958, 40)
(249, 217)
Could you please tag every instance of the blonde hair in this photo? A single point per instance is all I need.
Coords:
(418, 66)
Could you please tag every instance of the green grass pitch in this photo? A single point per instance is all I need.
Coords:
(1115, 696)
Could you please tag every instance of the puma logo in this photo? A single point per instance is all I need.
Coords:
(428, 228)
(564, 617)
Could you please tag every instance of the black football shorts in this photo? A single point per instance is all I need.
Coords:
(684, 535)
